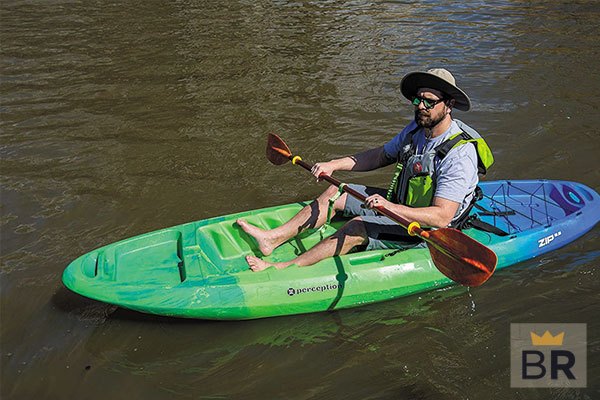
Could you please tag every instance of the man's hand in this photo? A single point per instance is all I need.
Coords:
(326, 168)
(377, 200)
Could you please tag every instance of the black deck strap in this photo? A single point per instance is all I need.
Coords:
(484, 226)
(475, 222)
(466, 221)
(485, 212)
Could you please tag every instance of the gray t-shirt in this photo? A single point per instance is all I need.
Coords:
(455, 176)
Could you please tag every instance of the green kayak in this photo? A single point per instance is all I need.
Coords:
(198, 269)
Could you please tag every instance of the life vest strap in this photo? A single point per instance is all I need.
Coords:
(484, 155)
(393, 187)
(443, 149)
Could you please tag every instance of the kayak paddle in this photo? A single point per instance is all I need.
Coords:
(456, 255)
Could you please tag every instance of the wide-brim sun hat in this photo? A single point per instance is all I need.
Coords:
(435, 78)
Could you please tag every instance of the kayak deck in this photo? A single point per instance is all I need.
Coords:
(199, 270)
(531, 205)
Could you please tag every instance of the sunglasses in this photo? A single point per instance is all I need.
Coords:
(428, 103)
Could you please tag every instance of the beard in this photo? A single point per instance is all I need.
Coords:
(427, 120)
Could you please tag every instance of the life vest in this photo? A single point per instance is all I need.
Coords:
(413, 184)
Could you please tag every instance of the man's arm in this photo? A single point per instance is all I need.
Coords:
(438, 215)
(363, 161)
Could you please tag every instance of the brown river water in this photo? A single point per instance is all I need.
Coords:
(119, 118)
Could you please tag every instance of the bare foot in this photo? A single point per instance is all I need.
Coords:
(266, 244)
(256, 264)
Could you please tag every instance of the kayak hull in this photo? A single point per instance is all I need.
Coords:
(198, 269)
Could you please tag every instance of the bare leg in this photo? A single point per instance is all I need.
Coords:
(350, 235)
(313, 215)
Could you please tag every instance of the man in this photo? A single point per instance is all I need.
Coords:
(438, 161)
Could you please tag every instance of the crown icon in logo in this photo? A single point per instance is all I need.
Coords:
(547, 339)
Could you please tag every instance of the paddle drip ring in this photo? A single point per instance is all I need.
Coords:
(411, 227)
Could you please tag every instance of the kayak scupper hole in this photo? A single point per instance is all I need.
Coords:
(181, 257)
(91, 265)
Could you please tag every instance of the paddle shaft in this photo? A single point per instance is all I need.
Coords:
(415, 230)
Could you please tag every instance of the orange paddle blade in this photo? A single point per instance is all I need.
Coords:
(460, 257)
(278, 152)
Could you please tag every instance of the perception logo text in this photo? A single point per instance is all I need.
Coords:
(312, 289)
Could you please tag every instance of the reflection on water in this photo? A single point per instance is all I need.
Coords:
(208, 349)
(120, 118)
